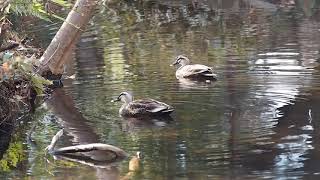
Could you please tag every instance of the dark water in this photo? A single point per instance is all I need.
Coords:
(258, 121)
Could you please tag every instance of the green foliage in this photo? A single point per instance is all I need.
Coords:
(13, 156)
(61, 3)
(28, 7)
(24, 68)
(37, 8)
(38, 83)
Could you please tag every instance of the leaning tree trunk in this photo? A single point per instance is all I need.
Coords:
(57, 53)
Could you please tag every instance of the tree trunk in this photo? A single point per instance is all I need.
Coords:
(57, 53)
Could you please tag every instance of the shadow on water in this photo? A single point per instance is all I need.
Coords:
(70, 118)
(76, 126)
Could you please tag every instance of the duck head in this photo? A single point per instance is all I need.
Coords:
(139, 154)
(134, 163)
(181, 61)
(124, 97)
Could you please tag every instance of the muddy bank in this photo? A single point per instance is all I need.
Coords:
(15, 96)
(16, 99)
(6, 129)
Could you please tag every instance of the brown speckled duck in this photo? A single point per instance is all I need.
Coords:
(134, 163)
(142, 107)
(192, 71)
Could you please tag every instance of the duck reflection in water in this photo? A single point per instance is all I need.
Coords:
(131, 124)
(185, 83)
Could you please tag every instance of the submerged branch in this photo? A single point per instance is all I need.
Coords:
(117, 152)
(54, 141)
(91, 147)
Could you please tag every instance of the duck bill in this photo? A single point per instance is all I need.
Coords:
(115, 99)
(173, 64)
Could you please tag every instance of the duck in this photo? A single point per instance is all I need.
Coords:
(134, 163)
(134, 167)
(142, 107)
(192, 71)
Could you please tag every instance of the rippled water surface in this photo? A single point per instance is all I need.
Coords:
(258, 121)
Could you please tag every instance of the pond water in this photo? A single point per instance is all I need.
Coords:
(258, 121)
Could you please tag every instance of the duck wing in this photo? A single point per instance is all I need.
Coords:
(196, 70)
(147, 106)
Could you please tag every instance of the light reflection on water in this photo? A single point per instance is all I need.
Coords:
(254, 122)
